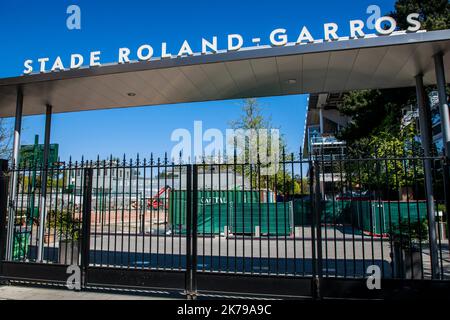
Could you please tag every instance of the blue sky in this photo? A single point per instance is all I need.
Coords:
(33, 29)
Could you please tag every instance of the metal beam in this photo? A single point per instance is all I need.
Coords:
(443, 101)
(425, 133)
(43, 209)
(14, 177)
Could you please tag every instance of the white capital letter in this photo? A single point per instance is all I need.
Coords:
(164, 53)
(95, 57)
(149, 54)
(28, 67)
(278, 37)
(233, 47)
(412, 19)
(305, 35)
(185, 49)
(74, 64)
(58, 65)
(356, 29)
(124, 55)
(208, 45)
(42, 61)
(392, 27)
(330, 31)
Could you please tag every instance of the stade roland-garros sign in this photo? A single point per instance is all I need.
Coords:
(384, 26)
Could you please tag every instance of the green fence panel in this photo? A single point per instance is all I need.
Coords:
(382, 217)
(272, 218)
(333, 212)
(21, 245)
(239, 210)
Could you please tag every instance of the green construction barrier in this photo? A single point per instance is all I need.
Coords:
(332, 212)
(21, 245)
(240, 211)
(383, 217)
(272, 218)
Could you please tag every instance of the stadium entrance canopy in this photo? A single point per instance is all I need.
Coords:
(367, 63)
(401, 59)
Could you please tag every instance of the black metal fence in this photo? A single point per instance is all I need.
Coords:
(325, 217)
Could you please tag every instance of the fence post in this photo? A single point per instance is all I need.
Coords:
(3, 210)
(86, 224)
(191, 232)
(188, 277)
(446, 168)
(318, 220)
(317, 230)
(194, 230)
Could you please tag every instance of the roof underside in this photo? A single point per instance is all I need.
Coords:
(382, 62)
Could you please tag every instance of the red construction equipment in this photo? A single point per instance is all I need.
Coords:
(156, 202)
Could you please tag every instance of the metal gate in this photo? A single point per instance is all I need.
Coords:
(314, 228)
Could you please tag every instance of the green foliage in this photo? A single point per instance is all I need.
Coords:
(252, 117)
(376, 114)
(441, 207)
(408, 234)
(282, 181)
(435, 14)
(399, 169)
(373, 112)
(67, 226)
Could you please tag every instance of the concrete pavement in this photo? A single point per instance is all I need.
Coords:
(33, 293)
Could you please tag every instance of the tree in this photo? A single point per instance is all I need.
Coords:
(282, 181)
(6, 138)
(434, 14)
(379, 111)
(252, 117)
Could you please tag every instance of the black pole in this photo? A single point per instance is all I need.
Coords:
(425, 133)
(3, 210)
(194, 230)
(86, 224)
(45, 167)
(318, 225)
(15, 164)
(188, 277)
(443, 101)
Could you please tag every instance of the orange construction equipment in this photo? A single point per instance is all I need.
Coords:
(156, 202)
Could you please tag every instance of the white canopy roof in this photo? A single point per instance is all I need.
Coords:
(369, 63)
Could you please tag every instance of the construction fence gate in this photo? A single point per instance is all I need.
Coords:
(318, 228)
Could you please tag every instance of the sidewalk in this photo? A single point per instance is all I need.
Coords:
(32, 293)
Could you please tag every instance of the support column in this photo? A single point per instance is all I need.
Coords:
(425, 133)
(443, 101)
(321, 120)
(445, 125)
(14, 177)
(44, 175)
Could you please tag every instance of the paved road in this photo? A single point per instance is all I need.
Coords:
(32, 293)
(344, 253)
